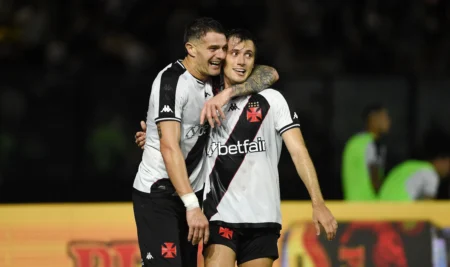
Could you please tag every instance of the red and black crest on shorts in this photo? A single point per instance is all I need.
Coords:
(168, 250)
(226, 232)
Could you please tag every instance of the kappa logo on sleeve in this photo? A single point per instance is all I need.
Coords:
(166, 109)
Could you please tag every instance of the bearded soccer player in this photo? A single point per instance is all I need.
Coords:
(167, 186)
(242, 198)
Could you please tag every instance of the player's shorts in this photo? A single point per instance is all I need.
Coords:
(163, 231)
(248, 243)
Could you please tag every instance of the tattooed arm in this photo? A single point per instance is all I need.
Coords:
(261, 78)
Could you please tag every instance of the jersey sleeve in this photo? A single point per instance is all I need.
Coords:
(170, 100)
(430, 183)
(286, 117)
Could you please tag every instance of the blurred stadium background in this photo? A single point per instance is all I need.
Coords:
(75, 80)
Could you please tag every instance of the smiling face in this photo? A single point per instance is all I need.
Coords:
(209, 53)
(205, 44)
(240, 60)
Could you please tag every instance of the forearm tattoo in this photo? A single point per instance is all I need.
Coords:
(261, 78)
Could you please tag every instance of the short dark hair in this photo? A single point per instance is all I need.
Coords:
(200, 27)
(369, 110)
(243, 35)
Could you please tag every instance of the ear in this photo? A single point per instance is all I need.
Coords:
(191, 50)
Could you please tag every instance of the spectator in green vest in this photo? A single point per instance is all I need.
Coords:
(418, 179)
(364, 158)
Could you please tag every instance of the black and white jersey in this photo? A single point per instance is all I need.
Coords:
(176, 96)
(241, 163)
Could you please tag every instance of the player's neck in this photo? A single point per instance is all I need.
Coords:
(190, 66)
(435, 167)
(227, 82)
(374, 133)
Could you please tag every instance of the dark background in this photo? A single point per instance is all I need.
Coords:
(75, 80)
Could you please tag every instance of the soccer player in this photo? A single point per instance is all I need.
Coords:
(167, 186)
(364, 158)
(242, 198)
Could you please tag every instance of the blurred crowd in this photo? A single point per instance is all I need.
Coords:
(75, 75)
(351, 36)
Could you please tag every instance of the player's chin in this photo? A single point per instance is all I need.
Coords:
(214, 71)
(236, 79)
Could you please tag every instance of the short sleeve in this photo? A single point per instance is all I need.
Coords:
(170, 97)
(286, 117)
(430, 183)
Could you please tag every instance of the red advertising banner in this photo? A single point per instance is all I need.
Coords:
(359, 244)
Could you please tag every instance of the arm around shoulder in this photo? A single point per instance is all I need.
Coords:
(261, 78)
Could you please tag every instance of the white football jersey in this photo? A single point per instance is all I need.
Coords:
(176, 96)
(241, 163)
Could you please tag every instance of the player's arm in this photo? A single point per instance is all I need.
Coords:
(262, 77)
(288, 126)
(169, 138)
(300, 156)
(167, 107)
(295, 144)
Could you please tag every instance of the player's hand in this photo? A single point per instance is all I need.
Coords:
(140, 136)
(198, 226)
(322, 216)
(212, 109)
